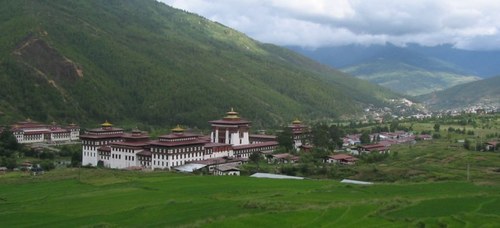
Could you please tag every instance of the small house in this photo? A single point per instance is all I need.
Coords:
(342, 159)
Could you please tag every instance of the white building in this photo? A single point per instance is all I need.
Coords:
(112, 148)
(99, 138)
(33, 132)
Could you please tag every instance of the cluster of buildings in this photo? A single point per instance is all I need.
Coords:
(380, 142)
(228, 145)
(33, 132)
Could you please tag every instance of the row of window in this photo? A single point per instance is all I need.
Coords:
(123, 150)
(251, 150)
(89, 154)
(99, 143)
(116, 156)
(109, 133)
(178, 150)
(178, 156)
(177, 140)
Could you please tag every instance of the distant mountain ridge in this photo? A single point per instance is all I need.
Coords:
(141, 61)
(435, 68)
(484, 93)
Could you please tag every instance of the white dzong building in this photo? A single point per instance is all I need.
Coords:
(230, 130)
(176, 149)
(98, 139)
(301, 133)
(113, 148)
(33, 132)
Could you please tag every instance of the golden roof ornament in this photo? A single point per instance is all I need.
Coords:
(232, 114)
(296, 121)
(178, 129)
(106, 124)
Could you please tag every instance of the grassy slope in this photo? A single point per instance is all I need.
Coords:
(407, 79)
(484, 91)
(118, 198)
(144, 61)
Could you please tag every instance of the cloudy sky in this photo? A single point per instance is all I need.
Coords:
(468, 24)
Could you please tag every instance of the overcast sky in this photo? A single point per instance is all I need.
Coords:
(468, 24)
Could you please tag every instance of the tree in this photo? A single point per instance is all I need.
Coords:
(364, 138)
(321, 136)
(336, 135)
(76, 159)
(8, 143)
(394, 126)
(255, 157)
(467, 144)
(437, 126)
(285, 139)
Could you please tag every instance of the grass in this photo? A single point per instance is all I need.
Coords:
(91, 197)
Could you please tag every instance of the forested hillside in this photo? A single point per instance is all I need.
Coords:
(141, 61)
(484, 93)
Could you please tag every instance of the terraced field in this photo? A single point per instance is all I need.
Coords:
(109, 198)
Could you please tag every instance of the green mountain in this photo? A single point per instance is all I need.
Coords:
(484, 93)
(408, 79)
(411, 70)
(141, 61)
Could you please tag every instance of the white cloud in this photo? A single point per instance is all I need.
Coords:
(314, 23)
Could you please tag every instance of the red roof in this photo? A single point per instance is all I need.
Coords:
(101, 136)
(177, 143)
(130, 144)
(36, 132)
(230, 121)
(255, 145)
(340, 156)
(179, 136)
(209, 145)
(145, 153)
(493, 143)
(373, 147)
(104, 148)
(264, 136)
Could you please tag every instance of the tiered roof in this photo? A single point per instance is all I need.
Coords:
(231, 118)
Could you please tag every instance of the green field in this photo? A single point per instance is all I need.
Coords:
(109, 198)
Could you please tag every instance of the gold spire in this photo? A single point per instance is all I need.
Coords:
(178, 129)
(232, 114)
(296, 121)
(106, 124)
(136, 131)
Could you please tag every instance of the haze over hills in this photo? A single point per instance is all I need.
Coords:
(143, 61)
(484, 93)
(426, 69)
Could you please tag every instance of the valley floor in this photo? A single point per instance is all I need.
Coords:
(96, 197)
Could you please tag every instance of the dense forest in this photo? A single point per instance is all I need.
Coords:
(141, 61)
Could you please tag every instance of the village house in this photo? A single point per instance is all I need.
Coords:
(284, 158)
(491, 146)
(341, 159)
(226, 170)
(380, 148)
(424, 137)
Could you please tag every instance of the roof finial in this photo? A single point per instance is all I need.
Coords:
(178, 129)
(106, 124)
(232, 114)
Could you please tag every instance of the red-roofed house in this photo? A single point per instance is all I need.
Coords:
(342, 159)
(491, 146)
(374, 148)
